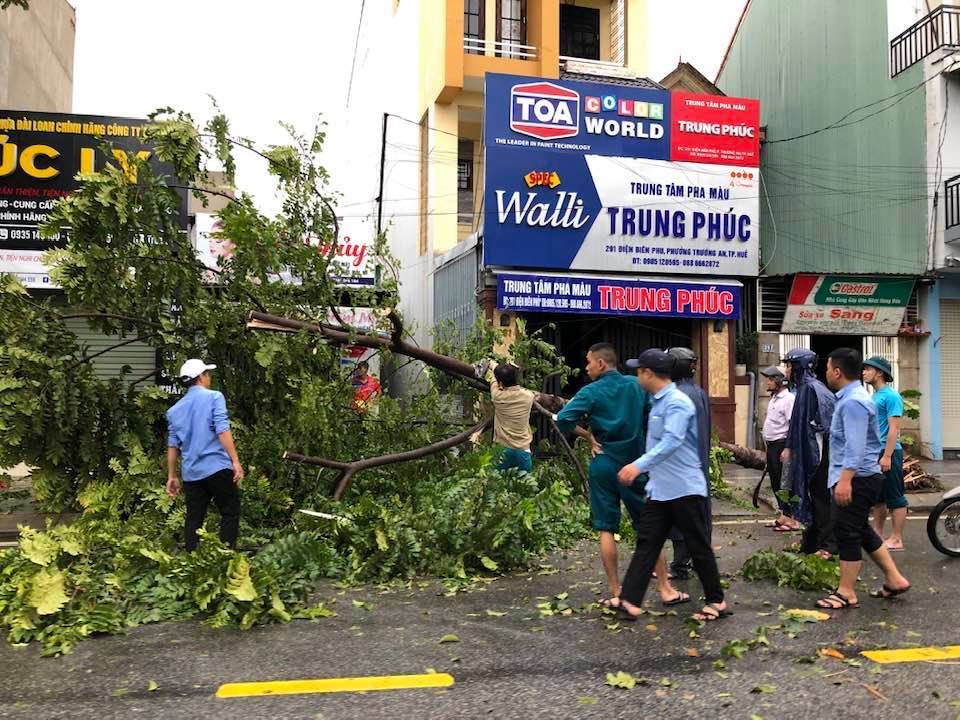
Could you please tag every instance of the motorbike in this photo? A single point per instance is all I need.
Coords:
(943, 525)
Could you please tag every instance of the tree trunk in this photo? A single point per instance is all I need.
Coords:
(753, 459)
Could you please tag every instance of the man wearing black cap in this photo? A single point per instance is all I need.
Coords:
(676, 490)
(684, 369)
(878, 374)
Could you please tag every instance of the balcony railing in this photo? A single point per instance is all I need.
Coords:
(939, 29)
(951, 209)
(505, 49)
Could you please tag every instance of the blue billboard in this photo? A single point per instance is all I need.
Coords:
(579, 176)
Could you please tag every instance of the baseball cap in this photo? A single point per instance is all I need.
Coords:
(656, 360)
(772, 372)
(194, 367)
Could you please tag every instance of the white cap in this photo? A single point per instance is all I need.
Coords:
(194, 367)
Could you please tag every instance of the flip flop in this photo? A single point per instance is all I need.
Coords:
(709, 617)
(625, 615)
(827, 603)
(611, 603)
(893, 549)
(888, 593)
(785, 529)
(680, 599)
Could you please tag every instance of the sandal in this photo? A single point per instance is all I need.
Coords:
(836, 601)
(716, 614)
(625, 615)
(888, 593)
(680, 599)
(610, 603)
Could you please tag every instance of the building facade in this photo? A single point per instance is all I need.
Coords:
(454, 259)
(36, 56)
(857, 189)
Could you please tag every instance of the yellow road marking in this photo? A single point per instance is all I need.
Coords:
(332, 685)
(949, 652)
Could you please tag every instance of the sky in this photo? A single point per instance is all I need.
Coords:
(286, 60)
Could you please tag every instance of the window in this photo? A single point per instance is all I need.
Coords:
(465, 174)
(580, 32)
(473, 12)
(465, 182)
(511, 27)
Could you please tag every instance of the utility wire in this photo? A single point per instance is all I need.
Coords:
(900, 97)
(356, 44)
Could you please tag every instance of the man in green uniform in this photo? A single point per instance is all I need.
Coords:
(615, 407)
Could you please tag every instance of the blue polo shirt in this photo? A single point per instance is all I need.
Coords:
(854, 434)
(673, 449)
(193, 426)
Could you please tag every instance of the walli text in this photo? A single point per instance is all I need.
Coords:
(566, 211)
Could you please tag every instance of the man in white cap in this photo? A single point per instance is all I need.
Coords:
(199, 430)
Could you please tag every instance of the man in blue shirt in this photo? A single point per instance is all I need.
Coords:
(878, 374)
(676, 490)
(614, 407)
(199, 430)
(856, 482)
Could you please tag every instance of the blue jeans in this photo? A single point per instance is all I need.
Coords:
(512, 458)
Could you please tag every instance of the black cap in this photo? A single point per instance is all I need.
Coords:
(656, 360)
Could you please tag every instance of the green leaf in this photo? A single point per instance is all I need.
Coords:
(587, 700)
(239, 582)
(495, 613)
(38, 547)
(152, 686)
(764, 689)
(47, 594)
(449, 638)
(621, 679)
(382, 541)
(489, 564)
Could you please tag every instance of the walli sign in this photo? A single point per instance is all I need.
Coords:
(846, 305)
(599, 177)
(620, 214)
(525, 292)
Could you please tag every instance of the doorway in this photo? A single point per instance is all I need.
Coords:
(823, 345)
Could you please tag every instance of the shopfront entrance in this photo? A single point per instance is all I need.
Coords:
(573, 335)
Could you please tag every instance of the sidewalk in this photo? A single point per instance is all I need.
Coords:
(742, 481)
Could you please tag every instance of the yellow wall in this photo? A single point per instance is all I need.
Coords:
(636, 36)
(442, 215)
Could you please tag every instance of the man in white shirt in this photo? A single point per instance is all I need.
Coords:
(775, 428)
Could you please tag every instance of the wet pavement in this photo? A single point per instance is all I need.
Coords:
(512, 659)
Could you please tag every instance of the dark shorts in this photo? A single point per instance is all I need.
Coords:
(893, 494)
(851, 523)
(606, 494)
(518, 459)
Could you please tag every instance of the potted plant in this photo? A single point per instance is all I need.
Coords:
(745, 349)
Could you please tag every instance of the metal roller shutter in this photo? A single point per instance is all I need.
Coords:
(140, 357)
(949, 371)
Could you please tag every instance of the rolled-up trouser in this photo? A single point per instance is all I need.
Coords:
(851, 522)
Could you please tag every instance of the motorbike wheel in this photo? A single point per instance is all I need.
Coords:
(943, 527)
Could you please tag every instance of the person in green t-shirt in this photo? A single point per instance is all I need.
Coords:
(877, 373)
(615, 408)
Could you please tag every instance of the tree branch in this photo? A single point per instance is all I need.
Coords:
(566, 446)
(349, 469)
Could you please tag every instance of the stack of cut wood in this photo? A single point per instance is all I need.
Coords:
(916, 479)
